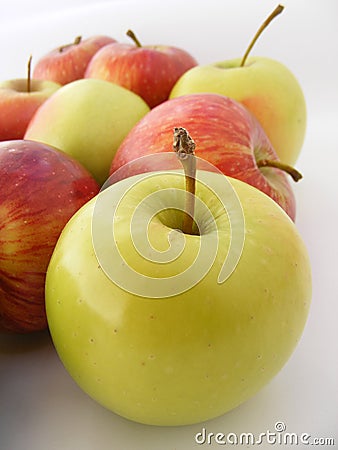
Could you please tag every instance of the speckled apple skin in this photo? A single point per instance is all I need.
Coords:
(226, 134)
(194, 356)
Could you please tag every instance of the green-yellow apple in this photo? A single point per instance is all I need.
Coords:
(150, 71)
(19, 100)
(226, 134)
(139, 315)
(69, 62)
(41, 188)
(266, 87)
(88, 119)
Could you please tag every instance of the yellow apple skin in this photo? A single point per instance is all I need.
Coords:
(88, 119)
(266, 87)
(194, 356)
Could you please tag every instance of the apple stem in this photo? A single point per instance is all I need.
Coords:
(184, 147)
(296, 176)
(29, 66)
(132, 35)
(77, 41)
(274, 14)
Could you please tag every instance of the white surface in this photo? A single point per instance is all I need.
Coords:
(41, 408)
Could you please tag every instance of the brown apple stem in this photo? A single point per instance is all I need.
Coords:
(184, 147)
(29, 67)
(296, 176)
(77, 41)
(269, 19)
(132, 35)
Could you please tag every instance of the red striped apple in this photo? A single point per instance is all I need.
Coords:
(150, 71)
(69, 62)
(226, 134)
(41, 188)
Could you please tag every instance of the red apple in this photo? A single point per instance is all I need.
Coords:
(19, 102)
(226, 134)
(41, 188)
(68, 62)
(150, 71)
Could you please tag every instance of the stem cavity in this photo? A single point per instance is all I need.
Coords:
(269, 19)
(184, 147)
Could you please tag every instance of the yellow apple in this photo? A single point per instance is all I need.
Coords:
(266, 87)
(88, 119)
(152, 332)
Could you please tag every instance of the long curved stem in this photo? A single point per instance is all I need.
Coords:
(296, 176)
(274, 13)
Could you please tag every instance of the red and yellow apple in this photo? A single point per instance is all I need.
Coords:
(69, 62)
(19, 100)
(226, 134)
(150, 71)
(41, 188)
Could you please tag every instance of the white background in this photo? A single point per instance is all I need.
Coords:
(41, 408)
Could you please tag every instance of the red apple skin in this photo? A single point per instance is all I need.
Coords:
(226, 134)
(68, 63)
(17, 106)
(149, 71)
(41, 188)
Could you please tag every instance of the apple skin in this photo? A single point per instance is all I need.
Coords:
(41, 188)
(226, 134)
(88, 119)
(17, 106)
(68, 63)
(193, 356)
(149, 71)
(266, 87)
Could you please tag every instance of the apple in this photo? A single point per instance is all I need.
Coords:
(226, 134)
(19, 100)
(88, 119)
(68, 62)
(265, 86)
(139, 315)
(41, 188)
(150, 71)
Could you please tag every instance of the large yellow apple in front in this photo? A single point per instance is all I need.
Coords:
(170, 342)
